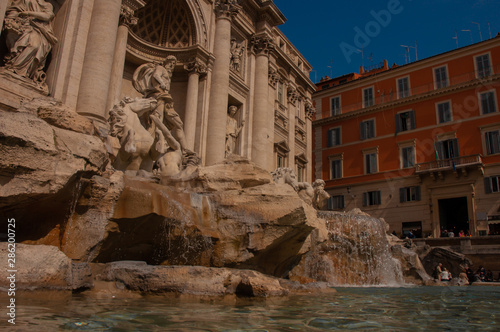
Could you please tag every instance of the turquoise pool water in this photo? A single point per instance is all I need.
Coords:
(373, 309)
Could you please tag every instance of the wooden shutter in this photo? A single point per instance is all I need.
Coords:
(411, 114)
(365, 199)
(402, 195)
(363, 130)
(418, 196)
(397, 120)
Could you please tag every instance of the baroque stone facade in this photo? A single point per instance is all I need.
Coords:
(229, 53)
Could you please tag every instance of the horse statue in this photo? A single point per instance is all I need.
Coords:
(314, 194)
(137, 146)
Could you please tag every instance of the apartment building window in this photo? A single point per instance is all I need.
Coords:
(492, 184)
(492, 141)
(441, 77)
(334, 138)
(403, 87)
(367, 129)
(405, 121)
(336, 202)
(372, 198)
(409, 194)
(444, 112)
(368, 97)
(335, 106)
(371, 162)
(335, 167)
(488, 102)
(483, 67)
(407, 157)
(447, 149)
(281, 92)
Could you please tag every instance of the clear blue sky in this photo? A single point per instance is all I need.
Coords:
(328, 30)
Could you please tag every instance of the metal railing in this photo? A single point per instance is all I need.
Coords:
(392, 94)
(448, 164)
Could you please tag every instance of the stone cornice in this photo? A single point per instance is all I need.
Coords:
(409, 100)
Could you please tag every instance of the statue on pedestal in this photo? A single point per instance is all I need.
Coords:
(29, 38)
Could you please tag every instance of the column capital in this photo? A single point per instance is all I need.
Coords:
(262, 44)
(310, 110)
(127, 17)
(226, 8)
(196, 66)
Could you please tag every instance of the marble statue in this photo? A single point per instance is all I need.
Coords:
(314, 194)
(232, 130)
(154, 80)
(236, 54)
(320, 195)
(29, 38)
(137, 146)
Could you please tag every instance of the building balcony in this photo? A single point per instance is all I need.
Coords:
(456, 165)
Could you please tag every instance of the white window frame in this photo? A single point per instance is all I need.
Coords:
(336, 157)
(367, 152)
(494, 91)
(374, 128)
(475, 64)
(409, 86)
(339, 97)
(445, 66)
(340, 136)
(437, 111)
(407, 144)
(484, 130)
(363, 96)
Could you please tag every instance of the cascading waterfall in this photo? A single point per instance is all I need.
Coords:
(356, 254)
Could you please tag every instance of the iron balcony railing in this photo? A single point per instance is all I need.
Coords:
(391, 95)
(449, 164)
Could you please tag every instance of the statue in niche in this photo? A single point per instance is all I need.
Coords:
(314, 194)
(236, 55)
(29, 38)
(154, 80)
(232, 130)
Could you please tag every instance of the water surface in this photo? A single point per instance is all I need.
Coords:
(372, 309)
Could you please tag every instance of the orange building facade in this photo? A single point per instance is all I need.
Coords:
(417, 145)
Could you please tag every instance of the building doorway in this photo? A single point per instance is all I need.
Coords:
(453, 215)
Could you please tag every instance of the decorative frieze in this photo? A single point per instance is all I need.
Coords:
(274, 77)
(310, 110)
(226, 8)
(127, 16)
(293, 95)
(262, 44)
(196, 66)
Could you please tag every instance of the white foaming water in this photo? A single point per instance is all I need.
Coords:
(357, 253)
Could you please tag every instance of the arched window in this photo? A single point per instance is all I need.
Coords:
(166, 23)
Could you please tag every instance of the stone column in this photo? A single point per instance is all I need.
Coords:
(127, 19)
(217, 111)
(98, 63)
(310, 111)
(194, 69)
(263, 115)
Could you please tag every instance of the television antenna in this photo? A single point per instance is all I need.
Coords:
(408, 49)
(479, 28)
(456, 37)
(489, 28)
(467, 30)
